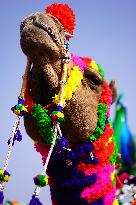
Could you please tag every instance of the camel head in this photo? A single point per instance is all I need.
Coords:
(43, 36)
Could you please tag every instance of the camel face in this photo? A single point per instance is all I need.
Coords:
(41, 34)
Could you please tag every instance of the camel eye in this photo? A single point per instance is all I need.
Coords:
(93, 78)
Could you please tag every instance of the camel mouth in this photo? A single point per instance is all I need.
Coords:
(40, 24)
(38, 20)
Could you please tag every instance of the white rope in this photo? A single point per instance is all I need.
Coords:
(2, 185)
(14, 129)
(51, 150)
(37, 191)
(55, 128)
(59, 130)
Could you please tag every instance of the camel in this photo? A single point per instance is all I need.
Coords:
(81, 167)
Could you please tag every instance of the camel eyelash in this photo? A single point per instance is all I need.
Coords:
(93, 78)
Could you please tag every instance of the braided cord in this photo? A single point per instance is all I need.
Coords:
(55, 128)
(17, 109)
(16, 126)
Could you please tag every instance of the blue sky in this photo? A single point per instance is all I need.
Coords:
(105, 31)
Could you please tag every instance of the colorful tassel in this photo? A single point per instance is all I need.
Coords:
(57, 116)
(20, 109)
(1, 197)
(4, 176)
(35, 201)
(17, 137)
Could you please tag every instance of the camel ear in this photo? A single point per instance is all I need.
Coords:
(113, 87)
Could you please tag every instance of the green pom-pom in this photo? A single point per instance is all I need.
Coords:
(4, 176)
(113, 157)
(102, 109)
(43, 123)
(1, 177)
(57, 116)
(92, 138)
(41, 180)
(101, 122)
(101, 71)
(19, 107)
(98, 132)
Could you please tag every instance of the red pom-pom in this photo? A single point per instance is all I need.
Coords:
(106, 96)
(64, 14)
(87, 61)
(100, 143)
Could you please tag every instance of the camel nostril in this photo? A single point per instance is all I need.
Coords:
(28, 21)
(32, 19)
(22, 25)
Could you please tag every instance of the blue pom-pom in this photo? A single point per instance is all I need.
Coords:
(59, 108)
(1, 197)
(100, 201)
(20, 100)
(61, 143)
(18, 136)
(35, 201)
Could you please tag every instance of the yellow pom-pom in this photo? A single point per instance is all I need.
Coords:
(17, 112)
(112, 176)
(24, 108)
(60, 114)
(56, 99)
(116, 202)
(46, 180)
(75, 77)
(6, 178)
(94, 65)
(1, 171)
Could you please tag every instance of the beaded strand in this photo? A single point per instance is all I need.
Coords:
(41, 180)
(43, 173)
(20, 110)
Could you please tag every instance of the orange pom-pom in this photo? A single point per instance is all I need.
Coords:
(64, 14)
